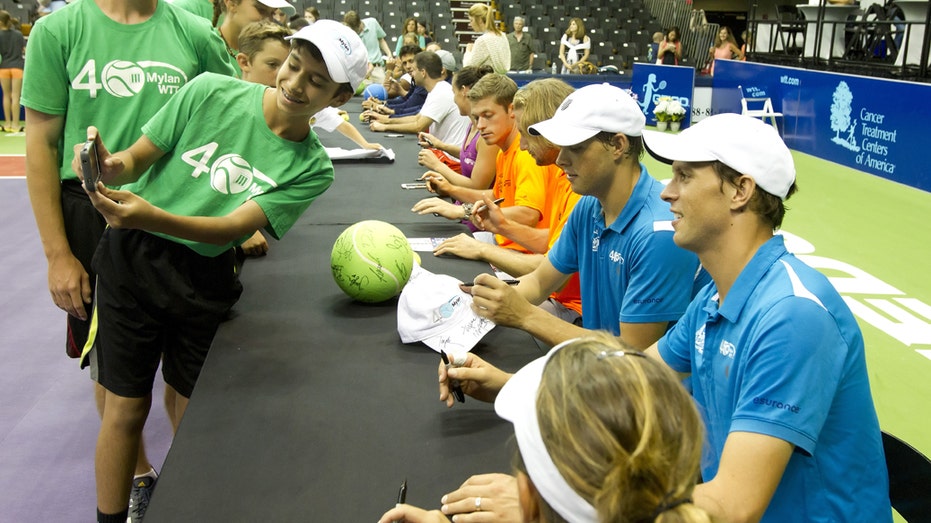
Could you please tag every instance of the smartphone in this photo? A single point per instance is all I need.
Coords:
(90, 166)
(416, 185)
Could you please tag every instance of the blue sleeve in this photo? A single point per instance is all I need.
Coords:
(661, 280)
(795, 363)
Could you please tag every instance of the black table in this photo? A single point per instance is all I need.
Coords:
(309, 408)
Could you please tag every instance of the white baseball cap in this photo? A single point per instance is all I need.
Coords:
(590, 110)
(284, 5)
(342, 49)
(433, 309)
(747, 145)
(517, 403)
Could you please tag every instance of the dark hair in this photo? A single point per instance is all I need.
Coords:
(469, 75)
(429, 62)
(768, 206)
(314, 51)
(635, 143)
(409, 49)
(298, 23)
(678, 32)
(313, 12)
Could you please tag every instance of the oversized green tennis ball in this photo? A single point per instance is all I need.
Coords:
(371, 261)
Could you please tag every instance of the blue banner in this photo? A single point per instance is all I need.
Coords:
(652, 82)
(869, 124)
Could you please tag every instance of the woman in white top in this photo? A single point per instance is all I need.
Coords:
(492, 47)
(574, 46)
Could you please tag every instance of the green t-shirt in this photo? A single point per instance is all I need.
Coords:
(202, 8)
(221, 153)
(94, 71)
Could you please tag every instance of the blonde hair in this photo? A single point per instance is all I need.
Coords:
(579, 29)
(497, 86)
(538, 101)
(623, 432)
(484, 13)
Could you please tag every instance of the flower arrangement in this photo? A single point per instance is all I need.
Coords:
(669, 109)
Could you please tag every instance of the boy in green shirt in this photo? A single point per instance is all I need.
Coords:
(224, 158)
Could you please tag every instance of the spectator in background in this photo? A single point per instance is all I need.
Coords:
(311, 14)
(574, 46)
(422, 31)
(409, 28)
(373, 36)
(724, 48)
(521, 45)
(408, 104)
(11, 71)
(670, 49)
(492, 46)
(653, 53)
(439, 112)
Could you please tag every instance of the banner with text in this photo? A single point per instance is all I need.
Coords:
(870, 124)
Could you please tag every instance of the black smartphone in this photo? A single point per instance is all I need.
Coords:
(90, 166)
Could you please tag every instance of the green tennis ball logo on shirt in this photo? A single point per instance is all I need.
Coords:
(231, 174)
(123, 79)
(371, 261)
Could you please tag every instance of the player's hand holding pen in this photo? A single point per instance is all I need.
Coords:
(487, 215)
(500, 301)
(477, 378)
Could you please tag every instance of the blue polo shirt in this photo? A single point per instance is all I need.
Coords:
(630, 272)
(784, 357)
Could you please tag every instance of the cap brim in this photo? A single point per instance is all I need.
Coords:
(562, 134)
(669, 148)
(286, 7)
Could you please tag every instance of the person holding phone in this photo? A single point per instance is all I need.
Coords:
(76, 75)
(178, 224)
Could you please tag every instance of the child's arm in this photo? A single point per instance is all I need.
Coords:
(121, 167)
(125, 210)
(347, 130)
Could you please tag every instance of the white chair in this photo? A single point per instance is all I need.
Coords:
(761, 108)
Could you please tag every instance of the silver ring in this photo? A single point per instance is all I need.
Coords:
(478, 504)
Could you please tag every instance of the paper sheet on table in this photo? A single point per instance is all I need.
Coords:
(425, 244)
(428, 244)
(339, 154)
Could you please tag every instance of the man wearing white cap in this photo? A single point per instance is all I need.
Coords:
(210, 186)
(634, 280)
(776, 357)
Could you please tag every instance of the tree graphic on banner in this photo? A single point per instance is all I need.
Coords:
(840, 117)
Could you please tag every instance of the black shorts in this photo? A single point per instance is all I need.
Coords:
(157, 300)
(83, 227)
